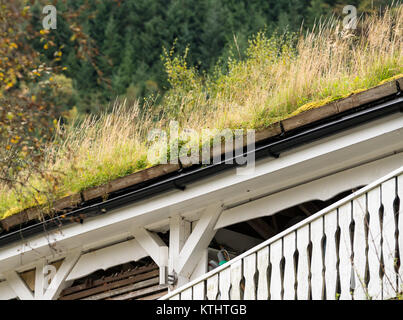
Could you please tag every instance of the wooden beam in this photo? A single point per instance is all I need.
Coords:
(153, 245)
(262, 228)
(39, 279)
(179, 231)
(59, 282)
(140, 292)
(6, 292)
(113, 278)
(308, 208)
(122, 284)
(18, 285)
(132, 289)
(198, 240)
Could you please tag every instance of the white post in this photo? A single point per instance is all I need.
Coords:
(184, 263)
(179, 231)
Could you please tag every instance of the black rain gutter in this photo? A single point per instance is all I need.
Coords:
(270, 148)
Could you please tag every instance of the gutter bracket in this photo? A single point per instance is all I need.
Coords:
(282, 129)
(273, 154)
(399, 93)
(399, 90)
(178, 186)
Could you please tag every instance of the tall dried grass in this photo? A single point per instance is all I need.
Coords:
(281, 76)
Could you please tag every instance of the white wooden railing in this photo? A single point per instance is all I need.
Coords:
(349, 250)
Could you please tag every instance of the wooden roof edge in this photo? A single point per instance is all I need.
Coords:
(304, 118)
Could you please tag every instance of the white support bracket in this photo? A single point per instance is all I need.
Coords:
(179, 231)
(43, 275)
(18, 285)
(58, 283)
(187, 249)
(155, 247)
(6, 292)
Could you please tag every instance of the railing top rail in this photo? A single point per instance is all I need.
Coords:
(288, 231)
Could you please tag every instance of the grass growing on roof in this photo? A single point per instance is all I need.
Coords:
(282, 76)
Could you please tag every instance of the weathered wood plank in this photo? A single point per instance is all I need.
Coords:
(101, 281)
(309, 116)
(367, 96)
(350, 102)
(139, 293)
(130, 180)
(271, 131)
(116, 292)
(36, 213)
(154, 296)
(110, 286)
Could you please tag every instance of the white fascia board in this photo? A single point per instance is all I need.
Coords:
(324, 156)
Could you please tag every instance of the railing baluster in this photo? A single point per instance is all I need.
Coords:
(263, 281)
(212, 287)
(345, 252)
(187, 294)
(374, 244)
(225, 284)
(389, 240)
(360, 258)
(302, 271)
(249, 272)
(400, 226)
(276, 255)
(199, 291)
(317, 259)
(330, 255)
(289, 271)
(236, 277)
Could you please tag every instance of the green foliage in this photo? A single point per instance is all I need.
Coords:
(129, 37)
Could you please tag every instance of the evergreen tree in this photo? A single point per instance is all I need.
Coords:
(129, 36)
